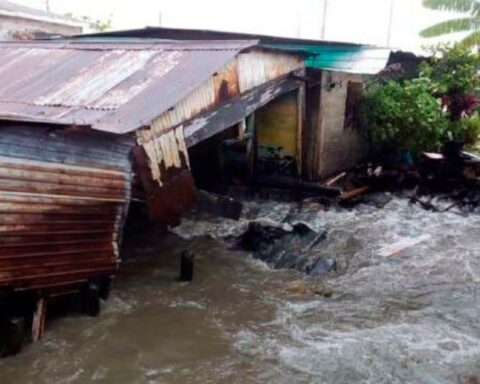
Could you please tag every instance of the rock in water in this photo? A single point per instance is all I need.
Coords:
(297, 287)
(280, 245)
(322, 290)
(323, 266)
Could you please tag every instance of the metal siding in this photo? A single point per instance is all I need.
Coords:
(112, 87)
(357, 59)
(63, 199)
(164, 167)
(249, 70)
(259, 67)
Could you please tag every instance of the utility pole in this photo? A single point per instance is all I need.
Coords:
(47, 5)
(299, 25)
(160, 18)
(390, 23)
(324, 20)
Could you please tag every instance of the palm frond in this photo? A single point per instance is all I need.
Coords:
(476, 9)
(452, 26)
(450, 5)
(472, 40)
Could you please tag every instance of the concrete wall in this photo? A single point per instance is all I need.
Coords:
(16, 28)
(331, 144)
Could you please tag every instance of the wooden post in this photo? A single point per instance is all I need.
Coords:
(91, 299)
(301, 111)
(38, 324)
(14, 332)
(186, 266)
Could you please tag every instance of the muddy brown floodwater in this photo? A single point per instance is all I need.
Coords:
(409, 318)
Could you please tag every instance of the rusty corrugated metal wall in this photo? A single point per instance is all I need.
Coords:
(64, 196)
(248, 70)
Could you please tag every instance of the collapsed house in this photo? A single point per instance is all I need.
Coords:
(89, 125)
(334, 77)
(83, 123)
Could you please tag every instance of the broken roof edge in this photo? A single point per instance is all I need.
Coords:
(132, 44)
(207, 34)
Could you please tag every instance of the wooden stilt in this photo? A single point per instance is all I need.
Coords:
(14, 331)
(91, 299)
(38, 324)
(186, 266)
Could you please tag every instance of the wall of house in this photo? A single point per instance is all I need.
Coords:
(161, 156)
(277, 133)
(64, 195)
(248, 70)
(16, 28)
(332, 143)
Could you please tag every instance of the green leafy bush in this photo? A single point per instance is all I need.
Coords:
(466, 130)
(453, 71)
(402, 116)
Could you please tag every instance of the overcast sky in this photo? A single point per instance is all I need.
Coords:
(363, 21)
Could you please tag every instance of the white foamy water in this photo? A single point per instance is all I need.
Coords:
(409, 317)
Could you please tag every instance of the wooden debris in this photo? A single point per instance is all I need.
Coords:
(38, 323)
(335, 179)
(222, 206)
(401, 245)
(345, 196)
(291, 183)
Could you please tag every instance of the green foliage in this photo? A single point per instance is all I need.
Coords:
(95, 24)
(469, 23)
(452, 69)
(418, 115)
(466, 130)
(403, 116)
(450, 5)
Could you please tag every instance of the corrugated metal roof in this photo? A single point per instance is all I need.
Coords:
(110, 86)
(365, 60)
(206, 34)
(322, 54)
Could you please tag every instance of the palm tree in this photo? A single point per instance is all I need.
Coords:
(470, 22)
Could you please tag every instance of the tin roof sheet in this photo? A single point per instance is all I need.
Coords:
(322, 54)
(110, 86)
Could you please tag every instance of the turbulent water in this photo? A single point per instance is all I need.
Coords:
(413, 317)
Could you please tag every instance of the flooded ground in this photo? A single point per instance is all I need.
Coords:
(413, 317)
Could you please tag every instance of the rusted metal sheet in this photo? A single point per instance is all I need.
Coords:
(258, 67)
(115, 87)
(163, 166)
(248, 70)
(64, 195)
(212, 122)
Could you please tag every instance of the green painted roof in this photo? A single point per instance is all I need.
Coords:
(345, 58)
